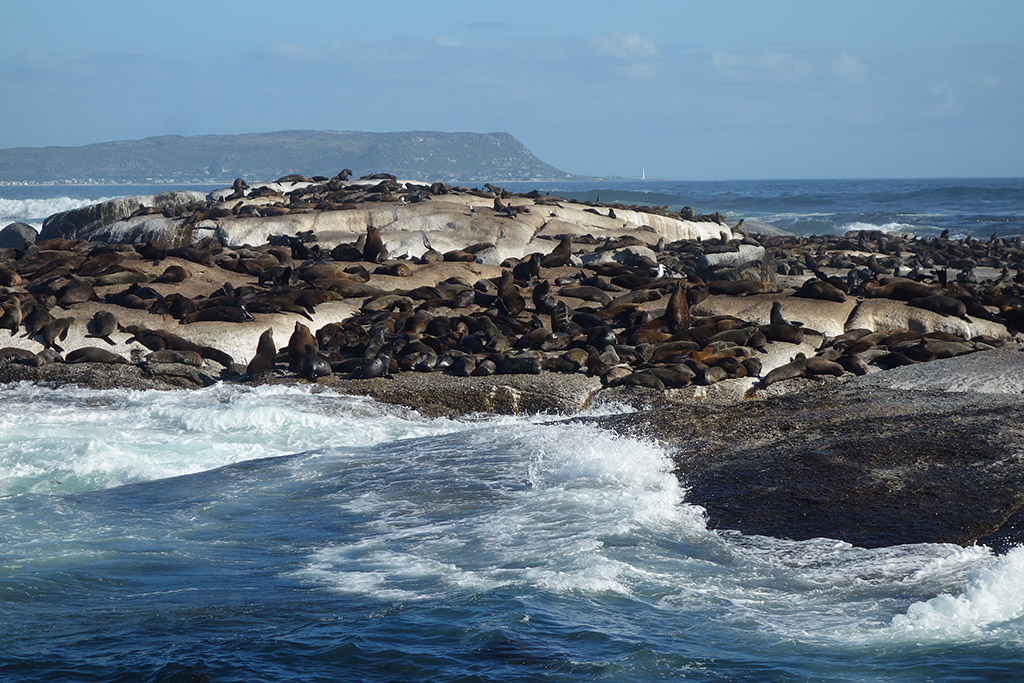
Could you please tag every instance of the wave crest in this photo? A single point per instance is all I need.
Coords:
(994, 596)
(35, 211)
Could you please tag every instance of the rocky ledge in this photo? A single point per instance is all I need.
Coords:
(926, 454)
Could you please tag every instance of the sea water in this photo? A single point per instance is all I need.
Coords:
(271, 534)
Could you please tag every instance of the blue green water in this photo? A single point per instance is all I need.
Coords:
(275, 534)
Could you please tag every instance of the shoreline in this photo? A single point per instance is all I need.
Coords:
(454, 301)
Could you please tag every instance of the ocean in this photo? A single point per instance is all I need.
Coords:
(276, 533)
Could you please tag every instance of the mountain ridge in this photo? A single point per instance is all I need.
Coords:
(458, 156)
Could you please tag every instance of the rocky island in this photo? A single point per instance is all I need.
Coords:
(864, 387)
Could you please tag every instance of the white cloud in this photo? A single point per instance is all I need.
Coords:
(629, 46)
(447, 41)
(849, 68)
(765, 65)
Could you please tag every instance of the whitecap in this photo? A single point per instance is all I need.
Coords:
(35, 211)
(992, 602)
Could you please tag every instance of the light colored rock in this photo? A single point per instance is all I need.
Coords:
(888, 314)
(828, 317)
(749, 262)
(84, 221)
(995, 371)
(448, 221)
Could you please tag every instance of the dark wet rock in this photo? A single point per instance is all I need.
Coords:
(866, 464)
(437, 395)
(108, 376)
(17, 235)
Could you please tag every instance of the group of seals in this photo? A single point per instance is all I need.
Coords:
(630, 325)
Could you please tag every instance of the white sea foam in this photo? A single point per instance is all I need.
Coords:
(571, 509)
(991, 603)
(35, 211)
(75, 439)
(884, 227)
(521, 505)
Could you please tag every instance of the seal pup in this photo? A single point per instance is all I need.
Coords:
(101, 326)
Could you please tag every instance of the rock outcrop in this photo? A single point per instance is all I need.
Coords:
(921, 454)
(17, 235)
(83, 222)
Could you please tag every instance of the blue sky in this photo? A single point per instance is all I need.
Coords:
(689, 90)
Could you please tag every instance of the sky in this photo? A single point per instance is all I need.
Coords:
(685, 90)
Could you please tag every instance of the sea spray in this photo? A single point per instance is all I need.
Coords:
(991, 606)
(35, 211)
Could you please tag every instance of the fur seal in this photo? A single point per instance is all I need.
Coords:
(941, 304)
(12, 315)
(93, 354)
(560, 255)
(174, 275)
(741, 287)
(266, 355)
(374, 250)
(301, 343)
(102, 325)
(378, 366)
(677, 313)
(816, 288)
(192, 358)
(229, 314)
(54, 330)
(509, 294)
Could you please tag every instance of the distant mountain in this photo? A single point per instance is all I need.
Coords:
(266, 156)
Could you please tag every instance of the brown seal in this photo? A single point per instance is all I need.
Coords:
(677, 313)
(374, 250)
(509, 294)
(93, 354)
(54, 330)
(102, 325)
(300, 344)
(266, 354)
(560, 255)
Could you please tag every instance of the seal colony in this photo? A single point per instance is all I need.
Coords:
(454, 300)
(607, 291)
